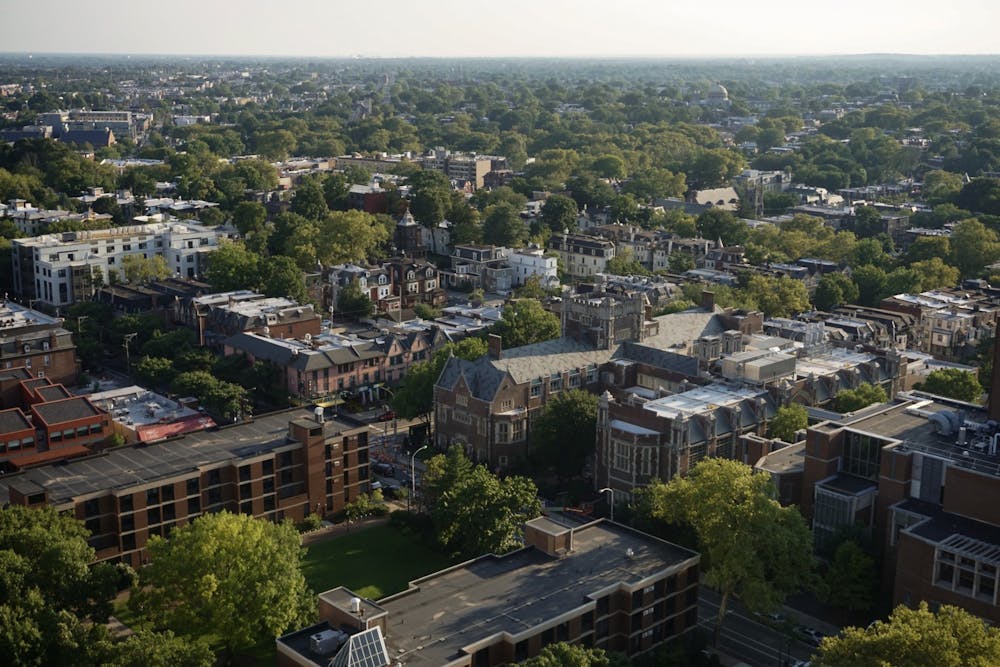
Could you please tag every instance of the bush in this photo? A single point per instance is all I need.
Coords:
(312, 522)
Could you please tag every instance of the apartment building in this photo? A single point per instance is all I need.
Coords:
(38, 345)
(219, 315)
(483, 267)
(597, 584)
(281, 466)
(61, 269)
(533, 263)
(582, 256)
(949, 322)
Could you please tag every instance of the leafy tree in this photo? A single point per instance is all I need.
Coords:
(280, 276)
(927, 247)
(502, 225)
(871, 282)
(681, 262)
(934, 273)
(348, 236)
(870, 252)
(754, 547)
(425, 311)
(156, 649)
(364, 506)
(850, 582)
(353, 301)
(168, 345)
(625, 264)
(478, 513)
(309, 200)
(524, 322)
(777, 297)
(953, 383)
(562, 435)
(950, 637)
(834, 289)
(250, 218)
(430, 196)
(562, 654)
(973, 246)
(716, 223)
(49, 591)
(903, 280)
(559, 213)
(228, 577)
(414, 397)
(231, 267)
(788, 420)
(140, 270)
(850, 400)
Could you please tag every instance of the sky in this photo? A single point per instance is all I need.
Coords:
(473, 28)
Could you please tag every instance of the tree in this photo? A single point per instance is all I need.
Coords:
(754, 547)
(953, 383)
(502, 225)
(155, 371)
(524, 321)
(309, 201)
(559, 213)
(562, 436)
(716, 223)
(834, 289)
(232, 267)
(562, 654)
(871, 281)
(52, 600)
(348, 236)
(850, 400)
(850, 582)
(155, 649)
(430, 196)
(281, 276)
(250, 218)
(478, 513)
(787, 421)
(625, 264)
(414, 398)
(973, 246)
(353, 301)
(229, 577)
(140, 270)
(777, 297)
(950, 637)
(934, 273)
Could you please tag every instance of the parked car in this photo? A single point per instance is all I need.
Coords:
(384, 469)
(809, 635)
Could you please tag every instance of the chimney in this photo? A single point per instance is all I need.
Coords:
(708, 300)
(494, 346)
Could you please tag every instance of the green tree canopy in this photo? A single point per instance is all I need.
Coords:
(524, 321)
(352, 301)
(280, 276)
(232, 267)
(834, 289)
(140, 270)
(951, 637)
(559, 213)
(502, 225)
(973, 246)
(476, 512)
(624, 263)
(953, 383)
(562, 654)
(229, 577)
(850, 400)
(414, 397)
(753, 547)
(787, 421)
(562, 435)
(850, 582)
(777, 297)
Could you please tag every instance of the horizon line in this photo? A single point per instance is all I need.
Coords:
(705, 56)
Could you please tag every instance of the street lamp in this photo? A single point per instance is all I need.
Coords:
(611, 502)
(413, 470)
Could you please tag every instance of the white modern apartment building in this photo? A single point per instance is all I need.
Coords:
(529, 262)
(60, 269)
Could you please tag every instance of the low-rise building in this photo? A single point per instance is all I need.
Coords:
(638, 592)
(140, 415)
(582, 256)
(534, 263)
(36, 343)
(280, 466)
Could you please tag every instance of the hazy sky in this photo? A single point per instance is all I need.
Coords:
(502, 27)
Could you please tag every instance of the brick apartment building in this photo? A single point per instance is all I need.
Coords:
(281, 466)
(598, 584)
(35, 344)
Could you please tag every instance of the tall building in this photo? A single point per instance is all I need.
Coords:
(598, 584)
(284, 465)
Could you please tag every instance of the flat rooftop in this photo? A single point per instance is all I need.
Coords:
(701, 399)
(137, 406)
(431, 622)
(126, 467)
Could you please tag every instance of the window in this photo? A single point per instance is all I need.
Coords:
(622, 455)
(125, 504)
(192, 486)
(245, 473)
(503, 432)
(152, 496)
(555, 382)
(592, 375)
(861, 454)
(536, 388)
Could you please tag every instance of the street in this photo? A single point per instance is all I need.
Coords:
(746, 638)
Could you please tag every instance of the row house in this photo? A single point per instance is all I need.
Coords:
(284, 465)
(330, 365)
(219, 315)
(950, 323)
(582, 256)
(402, 282)
(479, 267)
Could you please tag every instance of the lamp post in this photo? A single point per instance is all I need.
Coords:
(611, 501)
(413, 471)
(126, 339)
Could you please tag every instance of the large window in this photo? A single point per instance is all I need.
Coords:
(861, 454)
(967, 566)
(622, 457)
(832, 512)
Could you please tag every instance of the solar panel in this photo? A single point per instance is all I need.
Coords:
(365, 649)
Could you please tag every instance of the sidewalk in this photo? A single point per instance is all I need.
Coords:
(343, 528)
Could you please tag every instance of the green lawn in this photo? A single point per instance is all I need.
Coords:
(374, 562)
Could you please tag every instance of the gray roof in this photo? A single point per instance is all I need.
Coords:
(66, 410)
(552, 356)
(13, 420)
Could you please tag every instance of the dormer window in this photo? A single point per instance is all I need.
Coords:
(410, 275)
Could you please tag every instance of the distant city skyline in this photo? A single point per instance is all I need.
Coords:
(539, 28)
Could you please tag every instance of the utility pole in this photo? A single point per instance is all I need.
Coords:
(126, 339)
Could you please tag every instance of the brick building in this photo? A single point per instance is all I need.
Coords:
(281, 466)
(599, 585)
(36, 343)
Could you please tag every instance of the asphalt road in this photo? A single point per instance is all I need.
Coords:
(746, 638)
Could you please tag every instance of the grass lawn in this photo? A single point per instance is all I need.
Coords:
(373, 562)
